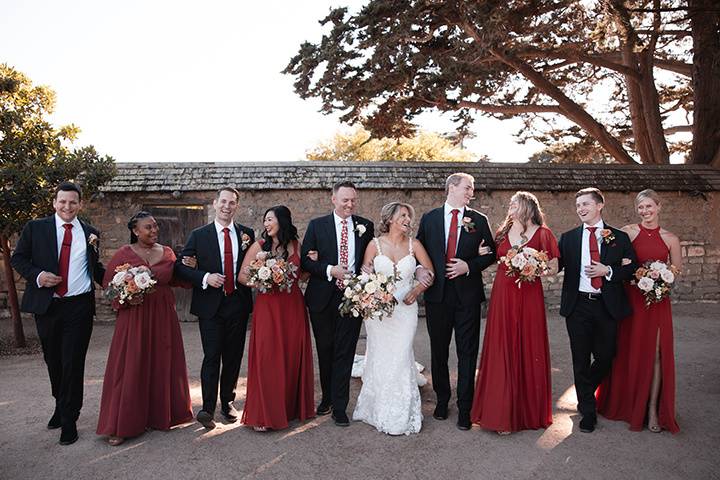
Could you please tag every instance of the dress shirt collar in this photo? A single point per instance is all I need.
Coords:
(219, 227)
(59, 222)
(449, 208)
(599, 225)
(338, 220)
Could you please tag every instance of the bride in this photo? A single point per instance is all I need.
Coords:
(390, 399)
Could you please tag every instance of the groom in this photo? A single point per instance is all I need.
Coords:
(452, 234)
(595, 257)
(340, 240)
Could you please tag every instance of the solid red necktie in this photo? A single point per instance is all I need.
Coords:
(596, 282)
(343, 250)
(64, 263)
(229, 286)
(452, 236)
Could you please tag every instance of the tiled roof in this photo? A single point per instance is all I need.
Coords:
(303, 175)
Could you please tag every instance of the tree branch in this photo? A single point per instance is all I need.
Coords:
(678, 129)
(676, 66)
(511, 109)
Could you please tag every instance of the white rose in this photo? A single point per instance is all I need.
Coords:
(381, 277)
(645, 284)
(360, 229)
(348, 292)
(264, 273)
(142, 280)
(519, 261)
(370, 287)
(119, 278)
(667, 276)
(658, 292)
(364, 277)
(659, 266)
(270, 262)
(355, 313)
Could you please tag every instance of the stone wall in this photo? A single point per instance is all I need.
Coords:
(694, 217)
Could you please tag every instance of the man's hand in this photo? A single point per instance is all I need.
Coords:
(313, 255)
(456, 268)
(47, 279)
(482, 249)
(189, 262)
(339, 272)
(424, 276)
(596, 269)
(216, 280)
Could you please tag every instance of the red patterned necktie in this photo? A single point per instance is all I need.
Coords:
(452, 236)
(229, 286)
(596, 282)
(64, 263)
(343, 250)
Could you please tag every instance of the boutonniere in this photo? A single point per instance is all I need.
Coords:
(607, 236)
(468, 225)
(93, 241)
(245, 241)
(360, 229)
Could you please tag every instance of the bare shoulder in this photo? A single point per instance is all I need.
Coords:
(669, 237)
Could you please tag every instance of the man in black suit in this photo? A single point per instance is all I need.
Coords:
(597, 260)
(221, 303)
(340, 240)
(58, 257)
(452, 235)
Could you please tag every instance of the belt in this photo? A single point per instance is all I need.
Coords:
(72, 298)
(590, 295)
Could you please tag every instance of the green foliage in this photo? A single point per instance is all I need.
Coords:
(36, 156)
(359, 146)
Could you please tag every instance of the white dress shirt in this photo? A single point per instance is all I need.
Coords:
(221, 243)
(585, 281)
(448, 218)
(79, 281)
(351, 243)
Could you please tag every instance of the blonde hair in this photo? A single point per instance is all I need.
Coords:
(647, 193)
(388, 212)
(528, 209)
(455, 179)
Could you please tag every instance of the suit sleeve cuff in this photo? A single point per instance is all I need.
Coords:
(327, 272)
(204, 281)
(608, 277)
(37, 280)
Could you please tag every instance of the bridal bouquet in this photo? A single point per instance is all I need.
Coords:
(268, 273)
(369, 295)
(130, 284)
(525, 263)
(655, 280)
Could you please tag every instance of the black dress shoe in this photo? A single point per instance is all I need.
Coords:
(206, 419)
(463, 422)
(341, 419)
(323, 409)
(441, 412)
(587, 424)
(229, 412)
(54, 421)
(68, 434)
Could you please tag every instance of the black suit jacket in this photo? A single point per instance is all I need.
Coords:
(613, 291)
(36, 251)
(203, 245)
(321, 236)
(432, 235)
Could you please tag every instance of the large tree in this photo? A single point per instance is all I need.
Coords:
(610, 77)
(35, 156)
(358, 146)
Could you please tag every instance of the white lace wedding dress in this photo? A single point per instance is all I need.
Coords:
(389, 398)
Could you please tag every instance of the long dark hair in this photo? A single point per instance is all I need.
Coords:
(132, 223)
(287, 232)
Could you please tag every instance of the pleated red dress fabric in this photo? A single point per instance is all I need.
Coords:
(280, 382)
(513, 390)
(625, 392)
(145, 384)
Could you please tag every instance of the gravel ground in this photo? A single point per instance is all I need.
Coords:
(318, 449)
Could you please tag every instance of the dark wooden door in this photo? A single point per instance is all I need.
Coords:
(175, 223)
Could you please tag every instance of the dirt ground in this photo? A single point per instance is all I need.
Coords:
(318, 449)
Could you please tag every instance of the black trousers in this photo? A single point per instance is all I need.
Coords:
(336, 339)
(223, 342)
(442, 318)
(592, 333)
(64, 332)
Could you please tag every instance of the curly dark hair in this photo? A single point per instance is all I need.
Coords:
(287, 232)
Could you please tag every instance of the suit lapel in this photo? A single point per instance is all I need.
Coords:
(578, 236)
(238, 239)
(439, 224)
(603, 247)
(214, 246)
(358, 251)
(331, 235)
(52, 238)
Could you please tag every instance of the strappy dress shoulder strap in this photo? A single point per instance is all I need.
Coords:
(410, 247)
(377, 244)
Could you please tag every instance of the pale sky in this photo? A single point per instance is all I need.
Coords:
(179, 81)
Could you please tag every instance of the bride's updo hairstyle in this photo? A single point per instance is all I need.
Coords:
(388, 212)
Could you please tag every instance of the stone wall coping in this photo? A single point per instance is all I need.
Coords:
(307, 175)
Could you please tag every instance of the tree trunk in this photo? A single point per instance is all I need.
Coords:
(18, 333)
(705, 24)
(651, 111)
(636, 105)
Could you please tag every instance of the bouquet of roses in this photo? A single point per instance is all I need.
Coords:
(655, 279)
(268, 272)
(525, 263)
(369, 295)
(130, 284)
